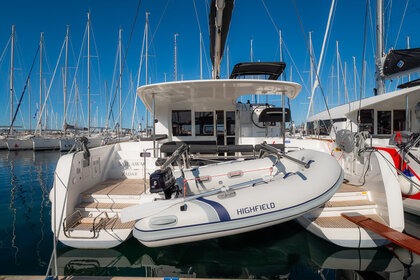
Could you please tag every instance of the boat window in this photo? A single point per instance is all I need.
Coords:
(324, 127)
(310, 128)
(230, 123)
(204, 123)
(181, 122)
(366, 120)
(384, 122)
(399, 120)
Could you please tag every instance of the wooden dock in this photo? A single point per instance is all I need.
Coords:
(399, 238)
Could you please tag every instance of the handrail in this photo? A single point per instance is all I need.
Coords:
(280, 153)
(98, 223)
(175, 156)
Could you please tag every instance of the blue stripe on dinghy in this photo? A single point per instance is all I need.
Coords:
(220, 210)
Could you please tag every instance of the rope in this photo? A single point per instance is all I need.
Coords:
(227, 174)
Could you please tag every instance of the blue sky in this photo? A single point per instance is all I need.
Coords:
(253, 20)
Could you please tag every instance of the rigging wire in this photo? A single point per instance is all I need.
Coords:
(125, 57)
(402, 20)
(285, 46)
(332, 12)
(4, 50)
(23, 92)
(363, 68)
(201, 32)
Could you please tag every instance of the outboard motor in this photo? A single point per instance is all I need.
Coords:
(163, 180)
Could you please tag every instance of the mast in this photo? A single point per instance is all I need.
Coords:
(88, 69)
(201, 56)
(146, 30)
(175, 58)
(338, 72)
(120, 76)
(220, 16)
(327, 29)
(311, 72)
(220, 5)
(40, 80)
(65, 80)
(380, 81)
(355, 77)
(11, 77)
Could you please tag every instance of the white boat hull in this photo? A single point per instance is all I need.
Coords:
(66, 144)
(41, 143)
(15, 144)
(105, 239)
(377, 196)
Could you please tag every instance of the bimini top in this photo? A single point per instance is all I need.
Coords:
(272, 70)
(215, 91)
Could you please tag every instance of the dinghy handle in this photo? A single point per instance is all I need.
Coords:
(280, 153)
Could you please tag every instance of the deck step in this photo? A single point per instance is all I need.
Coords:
(102, 206)
(112, 223)
(117, 190)
(341, 222)
(349, 203)
(349, 190)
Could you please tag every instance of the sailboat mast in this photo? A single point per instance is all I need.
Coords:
(201, 56)
(175, 58)
(40, 80)
(338, 72)
(146, 30)
(380, 81)
(220, 5)
(120, 75)
(311, 71)
(65, 81)
(11, 77)
(88, 69)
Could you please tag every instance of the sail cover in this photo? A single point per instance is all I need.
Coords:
(227, 15)
(401, 62)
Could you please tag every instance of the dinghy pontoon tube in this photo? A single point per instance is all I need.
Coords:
(236, 196)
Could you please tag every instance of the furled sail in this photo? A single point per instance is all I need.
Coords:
(401, 62)
(220, 16)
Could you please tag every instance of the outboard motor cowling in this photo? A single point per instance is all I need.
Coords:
(162, 181)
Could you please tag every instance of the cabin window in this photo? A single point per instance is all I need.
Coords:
(181, 122)
(384, 122)
(230, 123)
(399, 120)
(366, 120)
(204, 123)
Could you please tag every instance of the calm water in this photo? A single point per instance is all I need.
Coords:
(285, 251)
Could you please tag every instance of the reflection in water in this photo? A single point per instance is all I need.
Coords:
(281, 252)
(285, 251)
(44, 196)
(13, 210)
(25, 177)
